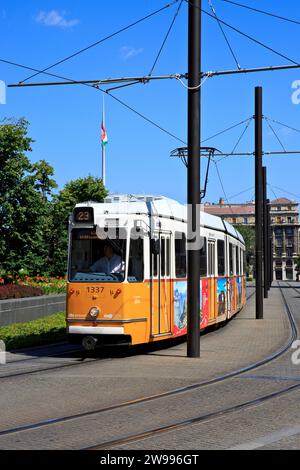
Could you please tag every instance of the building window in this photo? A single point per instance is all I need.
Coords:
(245, 220)
(234, 220)
(289, 274)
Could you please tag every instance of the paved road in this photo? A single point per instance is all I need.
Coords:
(93, 386)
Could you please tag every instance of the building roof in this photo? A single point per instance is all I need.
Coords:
(283, 200)
(243, 209)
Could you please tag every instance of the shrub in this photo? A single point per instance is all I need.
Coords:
(13, 291)
(34, 333)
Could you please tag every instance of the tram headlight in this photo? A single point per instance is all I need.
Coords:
(94, 312)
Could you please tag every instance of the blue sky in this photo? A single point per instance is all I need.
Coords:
(65, 121)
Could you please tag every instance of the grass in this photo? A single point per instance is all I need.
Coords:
(34, 333)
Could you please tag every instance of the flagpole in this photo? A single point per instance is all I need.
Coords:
(103, 164)
(103, 150)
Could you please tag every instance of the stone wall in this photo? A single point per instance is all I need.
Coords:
(30, 308)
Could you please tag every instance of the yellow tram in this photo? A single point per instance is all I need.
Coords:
(127, 271)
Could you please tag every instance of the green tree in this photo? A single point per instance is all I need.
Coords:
(24, 207)
(248, 234)
(80, 190)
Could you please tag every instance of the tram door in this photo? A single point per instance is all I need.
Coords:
(212, 278)
(160, 284)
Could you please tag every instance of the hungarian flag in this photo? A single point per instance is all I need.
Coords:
(103, 134)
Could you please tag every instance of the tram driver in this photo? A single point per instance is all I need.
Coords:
(110, 263)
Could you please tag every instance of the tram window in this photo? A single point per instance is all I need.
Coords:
(230, 259)
(241, 261)
(97, 259)
(168, 257)
(155, 250)
(237, 260)
(136, 260)
(221, 258)
(180, 254)
(163, 257)
(203, 257)
(211, 258)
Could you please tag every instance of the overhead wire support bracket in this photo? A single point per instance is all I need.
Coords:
(101, 82)
(146, 78)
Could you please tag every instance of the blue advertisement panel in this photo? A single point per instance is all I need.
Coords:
(221, 296)
(180, 307)
(239, 291)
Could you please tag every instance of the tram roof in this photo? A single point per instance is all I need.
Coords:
(156, 205)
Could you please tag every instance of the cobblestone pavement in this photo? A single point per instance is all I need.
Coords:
(96, 385)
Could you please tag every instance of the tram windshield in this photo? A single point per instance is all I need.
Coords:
(96, 257)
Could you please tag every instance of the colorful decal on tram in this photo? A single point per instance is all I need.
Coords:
(221, 296)
(239, 291)
(180, 306)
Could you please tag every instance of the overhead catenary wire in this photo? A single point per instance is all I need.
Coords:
(238, 141)
(284, 125)
(275, 134)
(251, 38)
(96, 87)
(100, 41)
(222, 186)
(224, 35)
(165, 38)
(268, 13)
(225, 130)
(287, 192)
(240, 193)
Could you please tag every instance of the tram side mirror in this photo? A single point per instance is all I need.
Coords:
(155, 247)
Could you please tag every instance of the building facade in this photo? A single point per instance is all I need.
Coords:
(285, 230)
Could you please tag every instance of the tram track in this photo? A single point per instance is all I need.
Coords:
(293, 287)
(80, 361)
(175, 392)
(205, 418)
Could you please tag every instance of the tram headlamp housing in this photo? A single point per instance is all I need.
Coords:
(94, 312)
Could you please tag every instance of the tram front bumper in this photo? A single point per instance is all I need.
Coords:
(96, 330)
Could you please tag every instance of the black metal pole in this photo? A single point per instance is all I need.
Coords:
(193, 189)
(270, 261)
(258, 203)
(271, 247)
(265, 234)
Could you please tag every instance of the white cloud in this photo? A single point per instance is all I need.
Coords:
(127, 52)
(55, 18)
